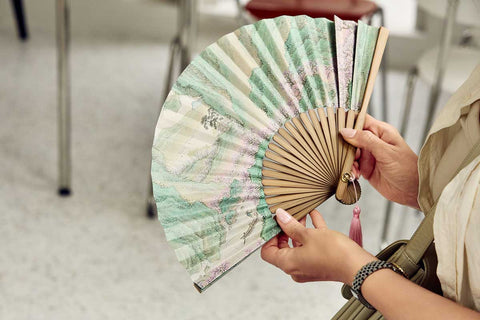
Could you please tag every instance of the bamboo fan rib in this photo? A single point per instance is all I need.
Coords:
(251, 126)
(298, 173)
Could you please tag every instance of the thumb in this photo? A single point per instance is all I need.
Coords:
(292, 228)
(364, 139)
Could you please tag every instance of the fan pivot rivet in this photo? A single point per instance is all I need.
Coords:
(346, 177)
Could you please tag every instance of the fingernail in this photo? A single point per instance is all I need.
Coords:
(348, 133)
(283, 215)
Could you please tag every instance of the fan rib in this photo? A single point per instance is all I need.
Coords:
(253, 125)
(287, 136)
(323, 139)
(351, 116)
(326, 134)
(303, 133)
(298, 210)
(308, 209)
(307, 122)
(305, 165)
(280, 176)
(286, 170)
(292, 203)
(273, 191)
(275, 157)
(377, 58)
(296, 135)
(341, 143)
(291, 148)
(283, 183)
(288, 197)
(333, 135)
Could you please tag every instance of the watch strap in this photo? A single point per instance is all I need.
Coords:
(366, 271)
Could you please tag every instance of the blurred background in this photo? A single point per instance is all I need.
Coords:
(81, 86)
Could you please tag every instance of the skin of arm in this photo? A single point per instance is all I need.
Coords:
(321, 254)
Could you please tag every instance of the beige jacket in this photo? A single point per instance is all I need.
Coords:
(457, 218)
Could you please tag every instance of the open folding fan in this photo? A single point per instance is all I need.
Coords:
(251, 126)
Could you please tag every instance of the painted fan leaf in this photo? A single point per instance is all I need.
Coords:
(219, 120)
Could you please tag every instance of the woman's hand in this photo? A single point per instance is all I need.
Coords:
(318, 254)
(385, 160)
(322, 254)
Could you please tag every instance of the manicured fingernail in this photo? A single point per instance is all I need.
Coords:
(348, 133)
(283, 215)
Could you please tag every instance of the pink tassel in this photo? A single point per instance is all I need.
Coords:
(356, 227)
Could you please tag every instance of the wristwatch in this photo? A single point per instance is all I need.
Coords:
(367, 270)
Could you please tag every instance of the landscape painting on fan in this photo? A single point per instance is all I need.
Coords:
(252, 125)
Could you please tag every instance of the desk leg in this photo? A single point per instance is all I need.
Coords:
(63, 92)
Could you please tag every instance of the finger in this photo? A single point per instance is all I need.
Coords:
(358, 153)
(269, 249)
(383, 130)
(283, 241)
(367, 164)
(317, 220)
(294, 229)
(303, 221)
(280, 258)
(364, 139)
(356, 170)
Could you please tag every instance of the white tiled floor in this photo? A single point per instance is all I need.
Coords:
(94, 255)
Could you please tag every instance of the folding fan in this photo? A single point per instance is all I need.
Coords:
(252, 125)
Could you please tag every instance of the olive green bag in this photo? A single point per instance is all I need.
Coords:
(416, 257)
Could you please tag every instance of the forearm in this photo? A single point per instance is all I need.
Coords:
(398, 298)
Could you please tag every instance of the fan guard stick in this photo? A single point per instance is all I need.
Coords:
(377, 58)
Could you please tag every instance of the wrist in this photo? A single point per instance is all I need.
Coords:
(355, 263)
(368, 271)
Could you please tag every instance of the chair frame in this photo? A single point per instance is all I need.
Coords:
(445, 44)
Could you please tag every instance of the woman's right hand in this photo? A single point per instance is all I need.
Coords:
(385, 160)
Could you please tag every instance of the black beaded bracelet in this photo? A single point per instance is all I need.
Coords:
(367, 270)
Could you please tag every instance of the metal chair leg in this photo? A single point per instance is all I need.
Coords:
(151, 206)
(174, 55)
(383, 68)
(242, 16)
(64, 130)
(19, 12)
(441, 62)
(181, 49)
(434, 92)
(411, 80)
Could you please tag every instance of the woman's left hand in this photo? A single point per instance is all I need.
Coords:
(318, 254)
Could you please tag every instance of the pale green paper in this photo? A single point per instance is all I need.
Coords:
(215, 126)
